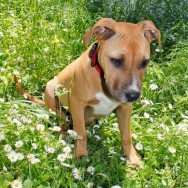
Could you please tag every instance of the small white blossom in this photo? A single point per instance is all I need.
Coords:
(139, 146)
(34, 145)
(66, 165)
(18, 144)
(17, 122)
(46, 49)
(2, 136)
(61, 157)
(96, 126)
(153, 86)
(40, 127)
(172, 149)
(91, 170)
(20, 156)
(67, 149)
(63, 142)
(97, 137)
(73, 134)
(16, 184)
(49, 149)
(35, 160)
(146, 115)
(157, 50)
(116, 186)
(160, 136)
(55, 128)
(77, 174)
(115, 124)
(90, 185)
(134, 136)
(1, 34)
(164, 182)
(30, 156)
(21, 59)
(122, 158)
(2, 100)
(13, 157)
(170, 106)
(7, 148)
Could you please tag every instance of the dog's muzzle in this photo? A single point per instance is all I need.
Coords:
(132, 95)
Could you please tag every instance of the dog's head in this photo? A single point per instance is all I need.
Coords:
(124, 54)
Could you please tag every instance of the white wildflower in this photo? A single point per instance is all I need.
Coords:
(66, 165)
(49, 149)
(160, 136)
(116, 186)
(139, 146)
(164, 182)
(55, 128)
(172, 149)
(91, 170)
(30, 156)
(97, 137)
(153, 86)
(122, 158)
(73, 134)
(16, 184)
(2, 100)
(17, 122)
(20, 156)
(35, 160)
(77, 174)
(18, 144)
(7, 148)
(146, 115)
(13, 157)
(90, 185)
(115, 124)
(2, 136)
(21, 59)
(170, 106)
(46, 49)
(134, 136)
(96, 126)
(1, 34)
(40, 127)
(61, 157)
(67, 149)
(63, 142)
(34, 145)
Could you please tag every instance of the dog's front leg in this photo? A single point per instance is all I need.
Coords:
(124, 115)
(77, 113)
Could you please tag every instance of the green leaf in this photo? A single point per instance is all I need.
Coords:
(27, 183)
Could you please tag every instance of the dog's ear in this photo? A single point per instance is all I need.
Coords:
(103, 30)
(150, 31)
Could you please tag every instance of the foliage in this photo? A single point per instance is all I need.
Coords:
(38, 39)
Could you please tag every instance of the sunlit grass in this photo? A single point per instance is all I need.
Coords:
(38, 39)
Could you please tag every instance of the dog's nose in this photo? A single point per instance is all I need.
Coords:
(132, 95)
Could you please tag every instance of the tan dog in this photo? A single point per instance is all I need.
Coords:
(115, 82)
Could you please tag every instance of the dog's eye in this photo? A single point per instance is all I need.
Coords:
(145, 63)
(117, 62)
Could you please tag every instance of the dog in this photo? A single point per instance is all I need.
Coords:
(107, 76)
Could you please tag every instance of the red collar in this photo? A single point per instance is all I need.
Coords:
(93, 55)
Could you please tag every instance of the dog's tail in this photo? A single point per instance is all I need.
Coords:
(25, 94)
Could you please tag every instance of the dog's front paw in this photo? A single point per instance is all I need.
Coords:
(133, 157)
(80, 149)
(135, 160)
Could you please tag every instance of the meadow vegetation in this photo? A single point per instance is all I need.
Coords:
(38, 39)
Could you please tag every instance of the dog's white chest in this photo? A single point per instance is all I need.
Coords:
(105, 105)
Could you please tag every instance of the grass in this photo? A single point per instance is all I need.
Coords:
(38, 39)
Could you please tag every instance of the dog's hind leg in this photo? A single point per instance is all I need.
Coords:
(51, 100)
